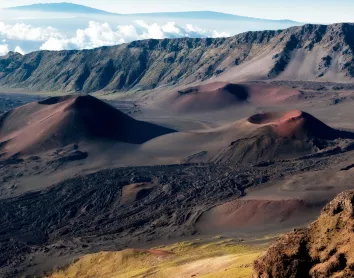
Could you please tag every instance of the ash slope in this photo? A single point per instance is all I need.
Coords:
(324, 249)
(220, 95)
(285, 135)
(309, 52)
(60, 121)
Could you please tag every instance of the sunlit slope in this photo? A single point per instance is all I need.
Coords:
(223, 258)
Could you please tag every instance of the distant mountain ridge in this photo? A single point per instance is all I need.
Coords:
(212, 15)
(66, 7)
(63, 7)
(306, 53)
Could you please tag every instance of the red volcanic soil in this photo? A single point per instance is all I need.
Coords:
(220, 95)
(281, 136)
(274, 117)
(135, 192)
(298, 124)
(210, 97)
(60, 121)
(254, 215)
(267, 94)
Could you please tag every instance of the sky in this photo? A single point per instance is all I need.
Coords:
(314, 11)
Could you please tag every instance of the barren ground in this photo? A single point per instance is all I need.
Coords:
(54, 209)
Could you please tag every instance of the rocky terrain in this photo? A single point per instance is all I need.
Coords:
(306, 53)
(163, 202)
(324, 249)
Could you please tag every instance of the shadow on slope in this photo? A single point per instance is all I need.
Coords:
(59, 121)
(220, 95)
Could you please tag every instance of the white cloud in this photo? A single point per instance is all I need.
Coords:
(102, 34)
(171, 28)
(95, 35)
(19, 50)
(55, 44)
(195, 29)
(4, 49)
(24, 32)
(216, 34)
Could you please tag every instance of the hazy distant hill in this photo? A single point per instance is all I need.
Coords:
(60, 8)
(212, 15)
(74, 8)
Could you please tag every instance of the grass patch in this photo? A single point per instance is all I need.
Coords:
(215, 258)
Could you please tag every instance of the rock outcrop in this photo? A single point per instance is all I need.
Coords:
(324, 249)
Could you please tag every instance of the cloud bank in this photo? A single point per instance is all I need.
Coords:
(20, 31)
(102, 34)
(97, 34)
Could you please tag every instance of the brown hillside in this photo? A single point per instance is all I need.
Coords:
(219, 95)
(298, 124)
(281, 136)
(60, 121)
(254, 215)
